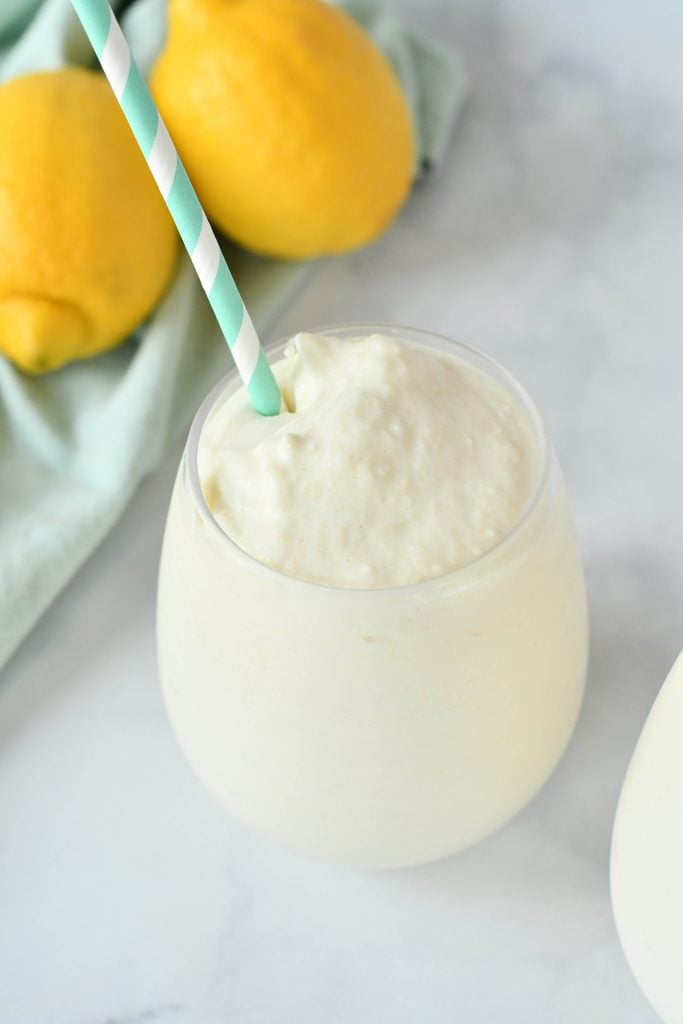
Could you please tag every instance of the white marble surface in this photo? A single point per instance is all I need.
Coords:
(553, 238)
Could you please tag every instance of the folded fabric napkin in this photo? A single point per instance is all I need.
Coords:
(75, 444)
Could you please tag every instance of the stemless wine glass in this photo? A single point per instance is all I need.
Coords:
(377, 728)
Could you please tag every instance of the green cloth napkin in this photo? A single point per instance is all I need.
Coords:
(75, 444)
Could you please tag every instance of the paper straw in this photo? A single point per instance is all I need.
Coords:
(131, 91)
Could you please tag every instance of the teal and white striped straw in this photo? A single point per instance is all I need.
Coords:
(131, 91)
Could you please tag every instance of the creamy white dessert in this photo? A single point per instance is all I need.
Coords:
(647, 854)
(381, 718)
(389, 464)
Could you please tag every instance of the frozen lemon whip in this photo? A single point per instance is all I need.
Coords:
(363, 721)
(647, 854)
(390, 464)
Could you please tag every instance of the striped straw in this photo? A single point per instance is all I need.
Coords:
(131, 91)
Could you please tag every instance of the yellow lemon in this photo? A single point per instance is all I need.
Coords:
(291, 122)
(87, 246)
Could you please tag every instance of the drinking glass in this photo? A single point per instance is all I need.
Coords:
(376, 728)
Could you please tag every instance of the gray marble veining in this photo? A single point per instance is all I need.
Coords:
(552, 238)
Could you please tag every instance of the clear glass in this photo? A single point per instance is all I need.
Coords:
(377, 728)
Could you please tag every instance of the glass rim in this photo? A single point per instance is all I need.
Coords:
(490, 365)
